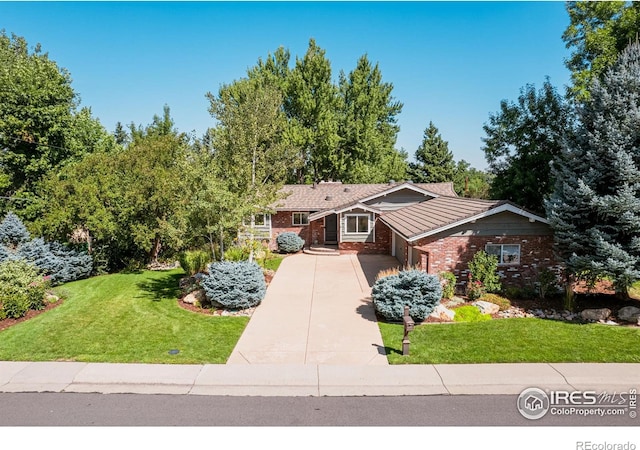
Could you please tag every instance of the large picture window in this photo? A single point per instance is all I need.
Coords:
(506, 253)
(357, 223)
(300, 218)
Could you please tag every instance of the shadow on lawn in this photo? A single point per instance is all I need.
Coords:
(161, 289)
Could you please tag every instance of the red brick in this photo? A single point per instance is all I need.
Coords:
(453, 254)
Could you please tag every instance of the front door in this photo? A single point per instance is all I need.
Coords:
(331, 229)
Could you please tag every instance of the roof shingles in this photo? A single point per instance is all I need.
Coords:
(307, 197)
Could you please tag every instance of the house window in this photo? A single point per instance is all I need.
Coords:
(506, 253)
(357, 223)
(259, 220)
(300, 218)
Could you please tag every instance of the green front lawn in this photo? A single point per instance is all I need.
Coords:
(123, 318)
(512, 341)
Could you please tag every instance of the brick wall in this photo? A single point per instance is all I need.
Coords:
(280, 223)
(382, 244)
(453, 254)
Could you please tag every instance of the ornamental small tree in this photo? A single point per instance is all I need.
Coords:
(234, 285)
(417, 290)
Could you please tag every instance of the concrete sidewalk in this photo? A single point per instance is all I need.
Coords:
(314, 380)
(317, 311)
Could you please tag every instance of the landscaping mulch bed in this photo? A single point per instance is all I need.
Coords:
(6, 323)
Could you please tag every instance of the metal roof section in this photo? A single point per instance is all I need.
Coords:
(443, 213)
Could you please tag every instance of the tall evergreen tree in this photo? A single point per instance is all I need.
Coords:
(368, 126)
(522, 139)
(595, 208)
(311, 103)
(435, 160)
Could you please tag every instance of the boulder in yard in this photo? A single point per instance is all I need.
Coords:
(486, 307)
(195, 296)
(443, 313)
(629, 314)
(595, 315)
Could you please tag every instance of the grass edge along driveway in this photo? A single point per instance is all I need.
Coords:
(123, 318)
(512, 341)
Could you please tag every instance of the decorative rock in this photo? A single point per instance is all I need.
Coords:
(629, 314)
(595, 315)
(443, 313)
(195, 296)
(608, 322)
(486, 307)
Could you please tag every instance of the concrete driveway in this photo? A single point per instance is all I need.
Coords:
(317, 311)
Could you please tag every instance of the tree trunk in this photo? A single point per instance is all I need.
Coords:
(155, 250)
(221, 244)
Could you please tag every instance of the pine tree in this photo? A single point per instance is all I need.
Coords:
(13, 232)
(368, 126)
(595, 208)
(435, 160)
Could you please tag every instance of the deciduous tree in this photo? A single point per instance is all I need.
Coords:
(598, 32)
(521, 140)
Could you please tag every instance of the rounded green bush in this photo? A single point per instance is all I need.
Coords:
(417, 290)
(234, 285)
(289, 242)
(469, 313)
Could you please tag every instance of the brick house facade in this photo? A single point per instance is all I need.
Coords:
(422, 225)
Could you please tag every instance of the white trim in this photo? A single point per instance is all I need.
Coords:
(500, 262)
(393, 243)
(359, 206)
(399, 187)
(320, 214)
(294, 224)
(363, 233)
(507, 207)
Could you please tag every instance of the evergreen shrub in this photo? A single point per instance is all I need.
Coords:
(413, 288)
(234, 285)
(62, 264)
(289, 242)
(13, 232)
(194, 261)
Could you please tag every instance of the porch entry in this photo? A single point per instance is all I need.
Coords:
(331, 229)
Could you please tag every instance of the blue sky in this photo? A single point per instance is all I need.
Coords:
(450, 62)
